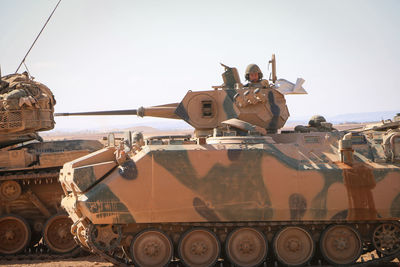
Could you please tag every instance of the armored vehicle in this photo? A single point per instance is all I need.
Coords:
(30, 193)
(239, 191)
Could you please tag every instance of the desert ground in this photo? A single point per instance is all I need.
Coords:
(94, 261)
(88, 261)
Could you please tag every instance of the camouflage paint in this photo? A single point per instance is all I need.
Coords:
(206, 212)
(381, 173)
(219, 175)
(297, 206)
(233, 190)
(364, 151)
(318, 205)
(103, 203)
(231, 185)
(228, 104)
(230, 80)
(84, 177)
(275, 111)
(395, 207)
(182, 113)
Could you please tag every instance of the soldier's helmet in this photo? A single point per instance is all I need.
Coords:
(253, 68)
(316, 120)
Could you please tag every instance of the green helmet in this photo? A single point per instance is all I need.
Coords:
(253, 68)
(316, 120)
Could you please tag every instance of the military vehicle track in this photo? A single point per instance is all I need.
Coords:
(41, 252)
(175, 232)
(22, 228)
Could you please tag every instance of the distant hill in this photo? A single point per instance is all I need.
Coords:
(363, 117)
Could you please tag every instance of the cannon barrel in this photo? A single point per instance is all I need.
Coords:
(165, 111)
(94, 113)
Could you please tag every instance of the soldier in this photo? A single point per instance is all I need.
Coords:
(254, 76)
(317, 123)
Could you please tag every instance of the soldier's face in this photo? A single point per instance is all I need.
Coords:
(253, 76)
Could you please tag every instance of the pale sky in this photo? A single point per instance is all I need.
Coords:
(99, 55)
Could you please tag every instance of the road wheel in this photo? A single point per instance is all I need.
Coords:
(151, 248)
(340, 245)
(199, 247)
(57, 234)
(246, 247)
(293, 246)
(15, 234)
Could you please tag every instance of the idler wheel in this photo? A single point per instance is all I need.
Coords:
(293, 246)
(10, 190)
(199, 247)
(151, 248)
(57, 234)
(246, 247)
(15, 234)
(386, 238)
(340, 245)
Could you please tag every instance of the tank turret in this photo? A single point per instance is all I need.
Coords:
(263, 107)
(26, 107)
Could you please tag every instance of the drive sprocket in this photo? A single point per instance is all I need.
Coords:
(104, 237)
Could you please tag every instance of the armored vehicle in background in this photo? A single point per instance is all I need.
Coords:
(30, 193)
(238, 191)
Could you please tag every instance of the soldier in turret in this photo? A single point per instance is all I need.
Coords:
(254, 76)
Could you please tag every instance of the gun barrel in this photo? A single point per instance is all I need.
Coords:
(164, 111)
(99, 113)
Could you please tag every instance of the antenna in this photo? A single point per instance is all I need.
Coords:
(273, 64)
(1, 82)
(37, 37)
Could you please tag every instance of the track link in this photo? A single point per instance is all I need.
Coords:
(41, 252)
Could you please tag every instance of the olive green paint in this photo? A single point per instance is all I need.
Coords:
(103, 203)
(236, 192)
(182, 113)
(395, 207)
(84, 177)
(228, 104)
(318, 204)
(381, 174)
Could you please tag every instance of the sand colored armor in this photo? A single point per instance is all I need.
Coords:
(268, 197)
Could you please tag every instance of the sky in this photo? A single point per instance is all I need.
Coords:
(105, 55)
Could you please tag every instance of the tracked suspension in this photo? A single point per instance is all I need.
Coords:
(133, 249)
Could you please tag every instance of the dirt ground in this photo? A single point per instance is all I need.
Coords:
(87, 261)
(95, 261)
